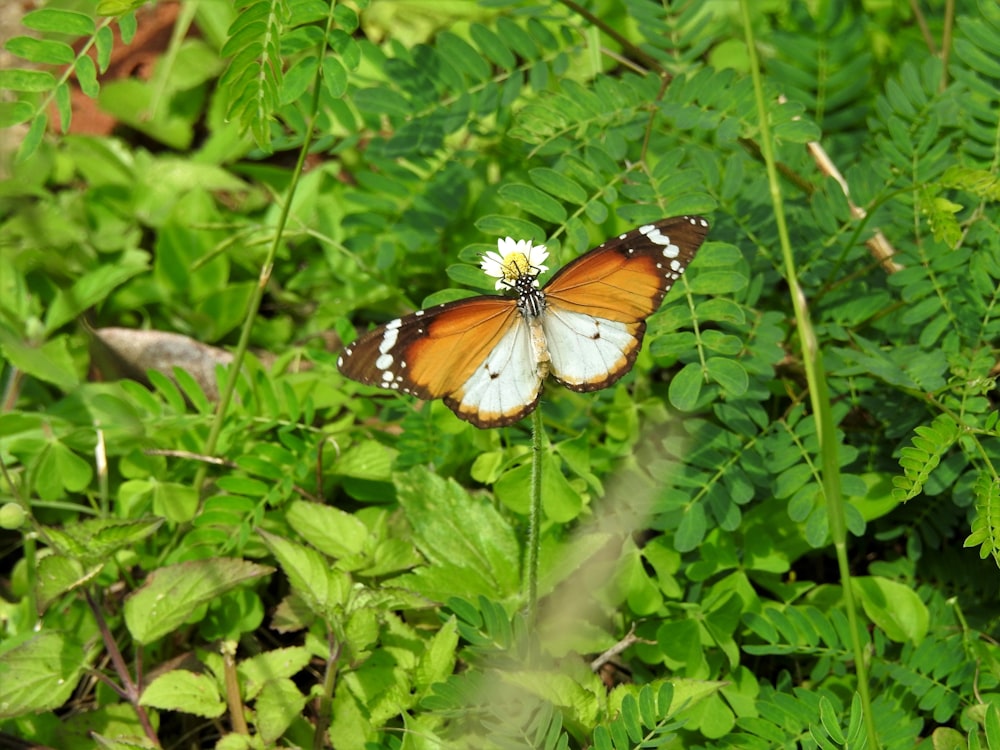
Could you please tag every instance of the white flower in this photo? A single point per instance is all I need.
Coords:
(515, 260)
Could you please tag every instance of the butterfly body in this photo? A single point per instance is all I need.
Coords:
(488, 356)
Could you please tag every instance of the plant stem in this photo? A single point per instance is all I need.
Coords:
(534, 516)
(819, 395)
(233, 374)
(130, 690)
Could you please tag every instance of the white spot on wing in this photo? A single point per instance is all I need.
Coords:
(653, 234)
(384, 362)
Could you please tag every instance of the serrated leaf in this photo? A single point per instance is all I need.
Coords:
(57, 575)
(184, 691)
(324, 590)
(40, 672)
(442, 515)
(331, 530)
(277, 663)
(438, 659)
(170, 595)
(277, 706)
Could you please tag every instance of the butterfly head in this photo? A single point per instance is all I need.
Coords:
(514, 261)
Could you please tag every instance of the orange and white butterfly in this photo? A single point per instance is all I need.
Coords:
(488, 356)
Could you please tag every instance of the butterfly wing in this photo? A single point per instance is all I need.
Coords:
(477, 354)
(596, 307)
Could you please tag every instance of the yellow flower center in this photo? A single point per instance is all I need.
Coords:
(515, 265)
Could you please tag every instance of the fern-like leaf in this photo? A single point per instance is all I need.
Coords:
(986, 524)
(644, 720)
(37, 89)
(930, 443)
(254, 77)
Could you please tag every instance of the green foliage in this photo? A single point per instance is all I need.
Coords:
(347, 566)
(38, 89)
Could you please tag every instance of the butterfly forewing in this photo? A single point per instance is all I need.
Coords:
(596, 307)
(474, 353)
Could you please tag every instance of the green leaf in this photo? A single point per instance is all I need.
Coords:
(40, 672)
(555, 183)
(184, 691)
(298, 79)
(118, 7)
(64, 105)
(346, 18)
(86, 76)
(175, 501)
(95, 540)
(331, 530)
(93, 287)
(561, 502)
(44, 51)
(692, 528)
(685, 387)
(334, 75)
(534, 201)
(716, 282)
(255, 672)
(461, 534)
(34, 81)
(797, 131)
(14, 113)
(33, 137)
(58, 574)
(50, 362)
(729, 374)
(172, 594)
(60, 21)
(104, 43)
(279, 704)
(501, 226)
(894, 607)
(492, 46)
(437, 662)
(326, 592)
(462, 56)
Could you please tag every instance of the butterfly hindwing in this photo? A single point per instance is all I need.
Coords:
(596, 307)
(474, 353)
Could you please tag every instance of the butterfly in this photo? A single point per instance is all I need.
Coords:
(488, 356)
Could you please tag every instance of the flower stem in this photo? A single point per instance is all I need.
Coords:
(534, 516)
